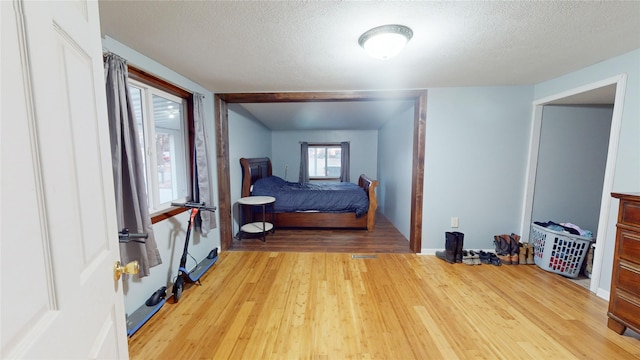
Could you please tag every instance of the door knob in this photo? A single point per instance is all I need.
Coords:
(131, 269)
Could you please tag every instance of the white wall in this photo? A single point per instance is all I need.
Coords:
(476, 150)
(169, 233)
(571, 164)
(248, 138)
(627, 166)
(363, 150)
(395, 162)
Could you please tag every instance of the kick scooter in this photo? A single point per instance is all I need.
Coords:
(194, 275)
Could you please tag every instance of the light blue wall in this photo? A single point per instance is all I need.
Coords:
(169, 233)
(363, 150)
(248, 138)
(476, 151)
(574, 142)
(627, 166)
(395, 161)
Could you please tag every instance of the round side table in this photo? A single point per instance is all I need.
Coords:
(258, 227)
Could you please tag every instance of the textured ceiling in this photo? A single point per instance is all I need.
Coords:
(270, 46)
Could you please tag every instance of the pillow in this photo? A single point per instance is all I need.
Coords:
(268, 184)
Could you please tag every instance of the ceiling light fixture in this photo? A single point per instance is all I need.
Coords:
(384, 42)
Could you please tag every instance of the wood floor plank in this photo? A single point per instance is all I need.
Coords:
(290, 305)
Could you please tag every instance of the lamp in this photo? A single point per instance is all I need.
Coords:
(385, 41)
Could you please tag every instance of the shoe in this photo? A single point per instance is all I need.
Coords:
(484, 257)
(503, 248)
(466, 258)
(450, 248)
(475, 257)
(530, 254)
(460, 245)
(494, 259)
(514, 248)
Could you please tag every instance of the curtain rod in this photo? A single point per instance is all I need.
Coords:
(324, 143)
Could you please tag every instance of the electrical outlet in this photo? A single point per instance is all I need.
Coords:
(454, 222)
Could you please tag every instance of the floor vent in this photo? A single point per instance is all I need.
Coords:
(357, 256)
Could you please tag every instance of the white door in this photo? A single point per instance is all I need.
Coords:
(59, 236)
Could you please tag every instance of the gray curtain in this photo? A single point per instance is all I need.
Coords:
(202, 184)
(128, 168)
(345, 165)
(304, 163)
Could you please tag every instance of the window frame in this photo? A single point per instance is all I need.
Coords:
(325, 146)
(151, 80)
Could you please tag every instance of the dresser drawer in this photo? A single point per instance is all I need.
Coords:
(629, 247)
(626, 308)
(630, 213)
(629, 279)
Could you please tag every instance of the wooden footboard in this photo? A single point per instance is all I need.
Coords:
(369, 185)
(335, 220)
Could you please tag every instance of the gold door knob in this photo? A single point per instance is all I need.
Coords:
(131, 269)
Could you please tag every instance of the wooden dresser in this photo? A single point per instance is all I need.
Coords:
(624, 303)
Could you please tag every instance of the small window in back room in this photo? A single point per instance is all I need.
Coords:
(324, 162)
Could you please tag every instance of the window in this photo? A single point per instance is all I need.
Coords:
(325, 161)
(163, 129)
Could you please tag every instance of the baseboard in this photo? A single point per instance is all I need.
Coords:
(604, 294)
(428, 251)
(433, 251)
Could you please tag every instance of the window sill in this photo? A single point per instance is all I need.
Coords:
(166, 214)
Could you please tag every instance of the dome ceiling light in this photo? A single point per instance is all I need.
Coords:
(386, 41)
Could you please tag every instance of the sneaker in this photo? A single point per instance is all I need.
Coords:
(467, 258)
(475, 257)
(484, 257)
(495, 260)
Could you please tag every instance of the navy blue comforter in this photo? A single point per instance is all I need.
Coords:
(326, 197)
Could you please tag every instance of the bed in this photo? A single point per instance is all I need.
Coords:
(353, 216)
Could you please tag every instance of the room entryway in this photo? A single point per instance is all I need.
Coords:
(557, 188)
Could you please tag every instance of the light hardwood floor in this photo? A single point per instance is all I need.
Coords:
(290, 305)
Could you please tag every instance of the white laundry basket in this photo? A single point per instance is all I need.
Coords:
(558, 251)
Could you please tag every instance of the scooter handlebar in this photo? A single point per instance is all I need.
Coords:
(194, 205)
(125, 236)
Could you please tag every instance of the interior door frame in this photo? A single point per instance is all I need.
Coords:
(419, 97)
(607, 187)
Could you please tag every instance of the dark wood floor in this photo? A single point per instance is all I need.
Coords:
(385, 238)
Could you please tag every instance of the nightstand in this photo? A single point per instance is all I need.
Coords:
(251, 227)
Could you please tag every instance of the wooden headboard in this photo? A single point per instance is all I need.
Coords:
(252, 170)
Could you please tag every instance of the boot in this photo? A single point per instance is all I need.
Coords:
(522, 259)
(530, 253)
(514, 248)
(502, 248)
(459, 245)
(450, 248)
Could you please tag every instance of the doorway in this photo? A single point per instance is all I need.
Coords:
(608, 91)
(419, 97)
